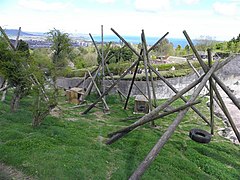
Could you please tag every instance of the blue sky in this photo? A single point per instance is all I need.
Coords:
(219, 19)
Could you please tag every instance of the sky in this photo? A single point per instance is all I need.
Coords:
(217, 19)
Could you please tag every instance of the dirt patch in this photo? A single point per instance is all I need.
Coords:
(227, 131)
(8, 173)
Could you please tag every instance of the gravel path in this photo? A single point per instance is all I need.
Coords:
(233, 110)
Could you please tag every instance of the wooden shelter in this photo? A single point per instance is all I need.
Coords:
(141, 105)
(75, 95)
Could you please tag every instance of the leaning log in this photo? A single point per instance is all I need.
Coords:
(154, 113)
(205, 68)
(131, 127)
(162, 141)
(222, 85)
(176, 91)
(111, 87)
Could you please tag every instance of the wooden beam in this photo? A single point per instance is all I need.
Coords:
(206, 68)
(150, 71)
(222, 85)
(176, 91)
(133, 126)
(18, 35)
(103, 100)
(159, 41)
(7, 39)
(131, 85)
(154, 113)
(211, 106)
(166, 136)
(112, 86)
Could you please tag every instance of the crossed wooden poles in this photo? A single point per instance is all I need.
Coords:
(209, 75)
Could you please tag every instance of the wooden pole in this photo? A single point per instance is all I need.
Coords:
(7, 39)
(131, 85)
(160, 40)
(150, 71)
(147, 80)
(109, 89)
(165, 137)
(197, 73)
(205, 68)
(140, 90)
(126, 43)
(146, 74)
(154, 113)
(118, 90)
(176, 91)
(103, 64)
(103, 100)
(130, 128)
(18, 35)
(211, 93)
(222, 85)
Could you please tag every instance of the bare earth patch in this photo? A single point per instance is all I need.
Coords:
(7, 173)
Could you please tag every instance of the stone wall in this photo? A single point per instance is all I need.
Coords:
(230, 74)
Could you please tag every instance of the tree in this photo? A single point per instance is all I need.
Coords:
(118, 53)
(13, 68)
(61, 47)
(164, 48)
(178, 50)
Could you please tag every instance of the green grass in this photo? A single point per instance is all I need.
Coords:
(65, 149)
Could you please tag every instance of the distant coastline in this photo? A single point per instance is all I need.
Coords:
(137, 40)
(39, 36)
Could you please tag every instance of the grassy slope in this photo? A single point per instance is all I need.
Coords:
(65, 149)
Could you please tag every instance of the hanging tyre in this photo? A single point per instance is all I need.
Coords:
(200, 135)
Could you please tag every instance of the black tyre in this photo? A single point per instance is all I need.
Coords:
(200, 136)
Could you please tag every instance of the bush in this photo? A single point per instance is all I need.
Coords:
(77, 73)
(178, 66)
(119, 68)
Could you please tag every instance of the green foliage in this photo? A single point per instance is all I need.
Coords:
(164, 48)
(232, 46)
(68, 72)
(12, 66)
(117, 53)
(178, 66)
(61, 47)
(119, 68)
(83, 57)
(72, 147)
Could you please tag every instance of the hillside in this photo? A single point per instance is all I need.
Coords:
(72, 145)
(14, 32)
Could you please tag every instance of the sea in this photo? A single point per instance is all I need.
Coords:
(137, 40)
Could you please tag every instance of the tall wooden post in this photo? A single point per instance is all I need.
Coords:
(103, 73)
(150, 71)
(131, 85)
(146, 74)
(211, 93)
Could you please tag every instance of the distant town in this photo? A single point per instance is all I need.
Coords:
(39, 40)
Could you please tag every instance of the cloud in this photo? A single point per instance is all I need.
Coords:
(226, 9)
(152, 5)
(105, 1)
(41, 5)
(190, 2)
